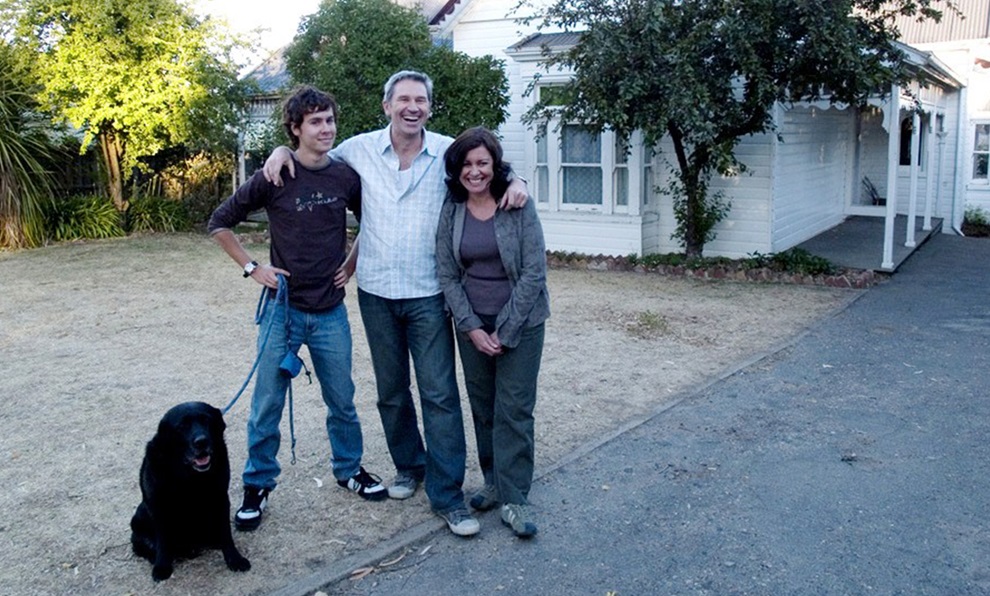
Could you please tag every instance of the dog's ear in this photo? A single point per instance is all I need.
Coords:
(216, 421)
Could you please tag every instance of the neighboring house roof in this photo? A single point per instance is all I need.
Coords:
(533, 45)
(972, 22)
(271, 75)
(433, 10)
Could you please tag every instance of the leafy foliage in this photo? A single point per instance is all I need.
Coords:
(82, 217)
(794, 260)
(24, 183)
(705, 73)
(137, 76)
(976, 215)
(349, 48)
(156, 214)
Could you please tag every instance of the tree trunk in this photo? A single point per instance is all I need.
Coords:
(112, 149)
(693, 238)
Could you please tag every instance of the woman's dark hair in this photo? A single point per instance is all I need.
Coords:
(305, 100)
(453, 160)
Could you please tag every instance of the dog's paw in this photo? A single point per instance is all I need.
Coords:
(238, 563)
(161, 572)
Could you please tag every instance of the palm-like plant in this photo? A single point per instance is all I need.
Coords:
(24, 145)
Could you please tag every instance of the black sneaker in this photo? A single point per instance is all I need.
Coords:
(367, 486)
(248, 517)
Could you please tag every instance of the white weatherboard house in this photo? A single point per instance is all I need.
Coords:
(924, 150)
(597, 199)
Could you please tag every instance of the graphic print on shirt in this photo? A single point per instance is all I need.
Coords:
(313, 200)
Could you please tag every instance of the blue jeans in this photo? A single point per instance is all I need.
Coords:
(328, 337)
(419, 327)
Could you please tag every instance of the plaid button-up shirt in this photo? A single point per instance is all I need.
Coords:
(400, 211)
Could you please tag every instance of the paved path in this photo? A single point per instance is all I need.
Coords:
(854, 461)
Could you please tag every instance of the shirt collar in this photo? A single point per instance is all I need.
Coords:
(431, 142)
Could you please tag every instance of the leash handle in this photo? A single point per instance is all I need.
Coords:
(281, 294)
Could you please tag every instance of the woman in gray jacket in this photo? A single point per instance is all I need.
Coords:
(492, 268)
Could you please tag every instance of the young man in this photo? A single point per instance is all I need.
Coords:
(402, 307)
(308, 228)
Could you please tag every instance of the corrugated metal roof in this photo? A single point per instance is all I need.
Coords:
(974, 23)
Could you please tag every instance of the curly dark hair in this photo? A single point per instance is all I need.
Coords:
(305, 100)
(453, 160)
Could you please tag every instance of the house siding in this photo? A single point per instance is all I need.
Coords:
(485, 28)
(813, 173)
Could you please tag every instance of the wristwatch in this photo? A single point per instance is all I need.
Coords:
(249, 268)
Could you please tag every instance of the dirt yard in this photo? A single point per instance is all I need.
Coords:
(97, 340)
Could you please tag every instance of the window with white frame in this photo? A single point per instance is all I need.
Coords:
(578, 169)
(581, 166)
(981, 153)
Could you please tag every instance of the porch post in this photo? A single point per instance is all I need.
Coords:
(930, 192)
(913, 192)
(893, 159)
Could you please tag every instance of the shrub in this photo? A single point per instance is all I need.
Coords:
(81, 217)
(794, 260)
(156, 214)
(977, 216)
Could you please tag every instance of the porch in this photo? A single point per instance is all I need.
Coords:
(857, 242)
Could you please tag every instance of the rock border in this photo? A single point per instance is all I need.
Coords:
(735, 271)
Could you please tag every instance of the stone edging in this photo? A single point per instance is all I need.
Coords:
(845, 278)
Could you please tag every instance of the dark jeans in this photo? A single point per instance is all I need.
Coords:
(502, 391)
(419, 327)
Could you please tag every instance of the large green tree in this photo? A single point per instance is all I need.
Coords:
(135, 76)
(350, 47)
(706, 73)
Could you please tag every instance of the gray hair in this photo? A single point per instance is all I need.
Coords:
(411, 75)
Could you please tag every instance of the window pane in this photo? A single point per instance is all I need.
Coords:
(542, 184)
(621, 150)
(583, 186)
(982, 137)
(541, 144)
(907, 134)
(621, 187)
(647, 184)
(980, 166)
(580, 146)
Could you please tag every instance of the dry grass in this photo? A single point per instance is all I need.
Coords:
(99, 339)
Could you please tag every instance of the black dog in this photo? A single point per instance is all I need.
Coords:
(184, 480)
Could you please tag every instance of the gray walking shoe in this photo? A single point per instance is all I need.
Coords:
(403, 487)
(485, 499)
(517, 518)
(460, 522)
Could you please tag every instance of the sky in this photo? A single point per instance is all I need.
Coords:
(279, 18)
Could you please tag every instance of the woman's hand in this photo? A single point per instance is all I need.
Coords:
(484, 343)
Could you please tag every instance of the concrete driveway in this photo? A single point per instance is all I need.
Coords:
(853, 461)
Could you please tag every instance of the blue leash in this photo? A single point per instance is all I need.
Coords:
(281, 299)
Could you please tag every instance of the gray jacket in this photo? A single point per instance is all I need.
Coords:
(519, 237)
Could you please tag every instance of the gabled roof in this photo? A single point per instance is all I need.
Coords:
(972, 23)
(271, 75)
(433, 10)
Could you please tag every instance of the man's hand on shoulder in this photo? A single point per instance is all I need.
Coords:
(280, 157)
(516, 195)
